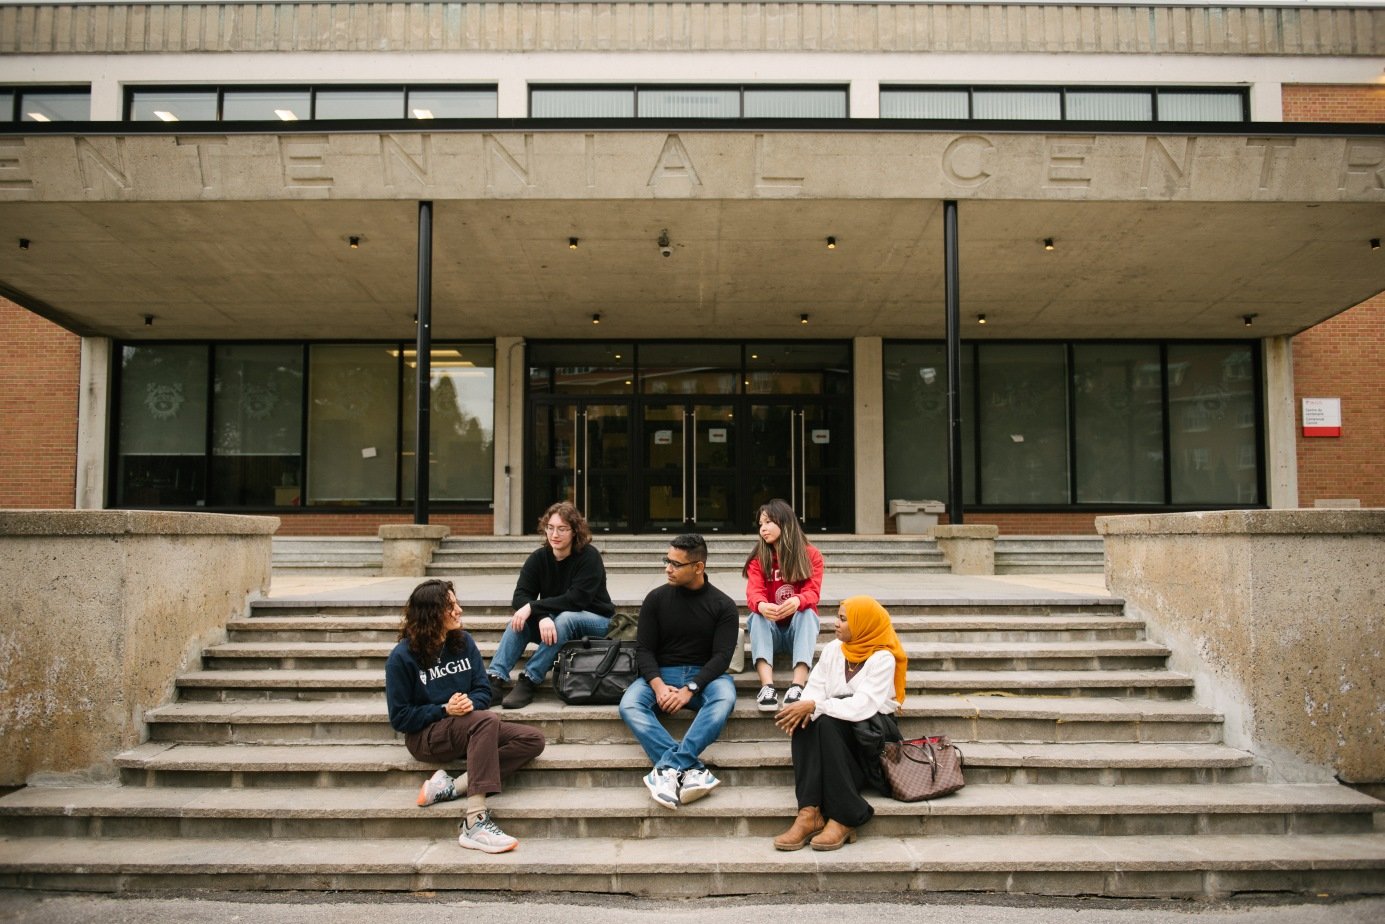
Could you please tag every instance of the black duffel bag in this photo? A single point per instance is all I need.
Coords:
(594, 671)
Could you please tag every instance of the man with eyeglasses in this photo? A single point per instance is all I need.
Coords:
(686, 635)
(560, 595)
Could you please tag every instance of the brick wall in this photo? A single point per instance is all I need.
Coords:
(40, 364)
(1344, 357)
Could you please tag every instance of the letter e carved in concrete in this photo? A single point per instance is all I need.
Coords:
(304, 158)
(15, 182)
(1068, 170)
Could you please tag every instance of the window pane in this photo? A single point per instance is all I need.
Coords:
(257, 418)
(461, 423)
(162, 430)
(265, 105)
(795, 104)
(689, 369)
(55, 107)
(1023, 416)
(1110, 107)
(359, 104)
(173, 106)
(1016, 104)
(6, 106)
(798, 369)
(923, 104)
(352, 416)
(582, 104)
(916, 422)
(707, 103)
(1200, 106)
(453, 104)
(1118, 401)
(1212, 433)
(582, 368)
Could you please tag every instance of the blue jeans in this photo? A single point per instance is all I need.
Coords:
(712, 704)
(799, 636)
(572, 624)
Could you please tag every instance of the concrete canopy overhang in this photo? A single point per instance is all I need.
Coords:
(246, 236)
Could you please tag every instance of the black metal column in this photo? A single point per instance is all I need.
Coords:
(951, 287)
(424, 354)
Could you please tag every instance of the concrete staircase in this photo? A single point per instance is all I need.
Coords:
(327, 555)
(1091, 769)
(1049, 555)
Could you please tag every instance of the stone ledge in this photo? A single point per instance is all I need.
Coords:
(132, 523)
(1370, 521)
(963, 531)
(413, 531)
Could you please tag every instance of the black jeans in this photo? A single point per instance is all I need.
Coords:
(827, 771)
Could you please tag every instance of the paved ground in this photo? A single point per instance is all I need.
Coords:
(293, 908)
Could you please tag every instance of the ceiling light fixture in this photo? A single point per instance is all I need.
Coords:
(355, 241)
(423, 113)
(831, 243)
(980, 319)
(164, 115)
(802, 319)
(148, 320)
(572, 243)
(1048, 243)
(23, 243)
(596, 318)
(1375, 243)
(1249, 319)
(286, 115)
(38, 117)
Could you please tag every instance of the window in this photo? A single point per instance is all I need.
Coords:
(1022, 417)
(257, 426)
(1086, 104)
(360, 103)
(161, 433)
(266, 105)
(45, 104)
(295, 103)
(700, 102)
(461, 423)
(916, 422)
(1201, 106)
(1118, 423)
(1214, 394)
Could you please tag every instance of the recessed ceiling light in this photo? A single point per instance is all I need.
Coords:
(423, 113)
(165, 116)
(38, 117)
(286, 115)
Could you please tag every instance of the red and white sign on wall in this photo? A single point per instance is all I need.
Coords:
(1322, 416)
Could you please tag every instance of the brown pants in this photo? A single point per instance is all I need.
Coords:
(492, 748)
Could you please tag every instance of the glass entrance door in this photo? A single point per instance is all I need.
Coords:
(801, 451)
(580, 452)
(688, 480)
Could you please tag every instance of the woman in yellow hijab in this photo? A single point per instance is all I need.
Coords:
(860, 674)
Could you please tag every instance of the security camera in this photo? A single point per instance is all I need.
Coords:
(666, 250)
(665, 247)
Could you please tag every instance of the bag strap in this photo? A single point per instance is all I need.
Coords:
(608, 663)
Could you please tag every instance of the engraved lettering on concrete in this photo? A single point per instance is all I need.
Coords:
(1068, 170)
(590, 148)
(674, 163)
(1270, 158)
(207, 177)
(497, 151)
(304, 160)
(781, 186)
(393, 155)
(1365, 160)
(963, 160)
(109, 164)
(1175, 174)
(15, 181)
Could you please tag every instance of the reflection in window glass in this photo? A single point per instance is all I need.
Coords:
(798, 369)
(916, 436)
(161, 433)
(452, 104)
(1110, 107)
(582, 104)
(461, 423)
(689, 369)
(923, 104)
(1210, 392)
(1200, 106)
(705, 103)
(1119, 423)
(1017, 104)
(352, 424)
(173, 106)
(359, 104)
(594, 368)
(1023, 418)
(56, 106)
(795, 103)
(266, 105)
(6, 106)
(257, 415)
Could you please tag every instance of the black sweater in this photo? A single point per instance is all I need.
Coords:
(680, 627)
(550, 587)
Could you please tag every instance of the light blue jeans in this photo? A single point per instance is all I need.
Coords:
(799, 636)
(572, 624)
(712, 704)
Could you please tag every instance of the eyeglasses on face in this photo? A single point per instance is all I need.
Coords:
(550, 528)
(670, 563)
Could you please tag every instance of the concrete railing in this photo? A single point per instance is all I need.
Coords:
(408, 548)
(99, 611)
(1279, 615)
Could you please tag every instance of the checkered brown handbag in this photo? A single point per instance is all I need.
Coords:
(922, 768)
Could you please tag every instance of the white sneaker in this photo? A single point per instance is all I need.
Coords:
(793, 694)
(696, 784)
(437, 788)
(663, 786)
(768, 699)
(485, 835)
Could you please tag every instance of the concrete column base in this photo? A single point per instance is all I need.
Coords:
(408, 548)
(968, 549)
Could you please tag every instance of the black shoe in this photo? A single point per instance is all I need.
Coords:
(497, 689)
(522, 694)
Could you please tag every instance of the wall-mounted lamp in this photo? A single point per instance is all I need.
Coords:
(596, 318)
(148, 320)
(831, 243)
(24, 243)
(1249, 319)
(802, 319)
(355, 242)
(1048, 243)
(572, 243)
(980, 319)
(1375, 243)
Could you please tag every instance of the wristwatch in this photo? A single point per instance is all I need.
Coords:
(693, 686)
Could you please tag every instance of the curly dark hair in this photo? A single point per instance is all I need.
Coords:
(425, 616)
(581, 532)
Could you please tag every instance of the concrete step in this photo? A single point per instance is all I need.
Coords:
(1129, 866)
(622, 762)
(308, 684)
(392, 609)
(733, 810)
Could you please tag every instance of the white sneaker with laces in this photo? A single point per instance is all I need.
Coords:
(768, 699)
(696, 784)
(437, 788)
(485, 835)
(793, 695)
(663, 786)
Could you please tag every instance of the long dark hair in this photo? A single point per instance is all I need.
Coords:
(791, 550)
(424, 618)
(581, 532)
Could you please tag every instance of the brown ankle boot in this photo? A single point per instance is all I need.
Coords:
(833, 836)
(808, 823)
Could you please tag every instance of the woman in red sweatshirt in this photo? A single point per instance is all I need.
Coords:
(783, 582)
